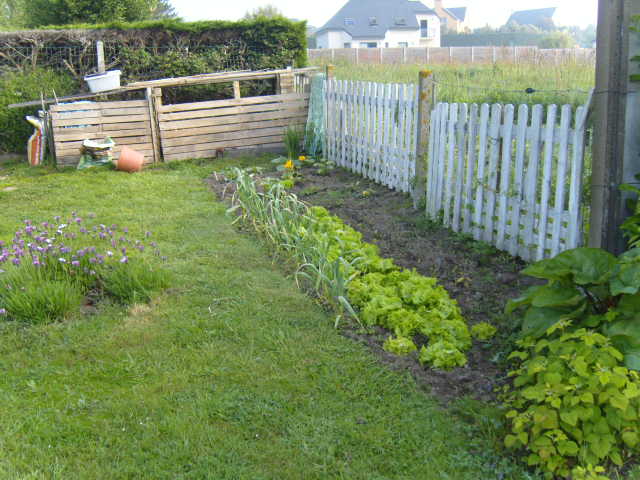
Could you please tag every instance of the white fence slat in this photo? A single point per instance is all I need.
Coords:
(518, 175)
(563, 154)
(575, 190)
(478, 232)
(531, 183)
(492, 174)
(442, 147)
(451, 150)
(546, 180)
(505, 176)
(458, 172)
(470, 172)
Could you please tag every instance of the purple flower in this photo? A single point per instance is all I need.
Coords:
(75, 263)
(3, 311)
(147, 234)
(15, 261)
(109, 253)
(62, 260)
(125, 230)
(124, 259)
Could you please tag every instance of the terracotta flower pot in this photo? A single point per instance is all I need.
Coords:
(130, 160)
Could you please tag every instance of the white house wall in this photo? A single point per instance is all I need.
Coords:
(333, 39)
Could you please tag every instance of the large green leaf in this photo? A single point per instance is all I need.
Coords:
(584, 266)
(626, 279)
(557, 295)
(525, 299)
(538, 320)
(625, 336)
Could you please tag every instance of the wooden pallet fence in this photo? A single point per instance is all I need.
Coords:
(202, 129)
(509, 178)
(371, 130)
(126, 122)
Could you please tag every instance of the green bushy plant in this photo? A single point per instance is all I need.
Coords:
(483, 331)
(293, 138)
(21, 86)
(631, 226)
(574, 403)
(134, 283)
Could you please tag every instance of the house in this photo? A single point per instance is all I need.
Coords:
(541, 18)
(451, 19)
(381, 24)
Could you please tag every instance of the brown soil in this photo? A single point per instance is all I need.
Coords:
(479, 277)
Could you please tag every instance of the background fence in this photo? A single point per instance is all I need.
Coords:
(426, 55)
(514, 181)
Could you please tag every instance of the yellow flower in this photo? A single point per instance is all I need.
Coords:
(302, 158)
(289, 164)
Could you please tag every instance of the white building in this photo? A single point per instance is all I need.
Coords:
(381, 24)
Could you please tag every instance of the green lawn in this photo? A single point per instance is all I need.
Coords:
(231, 374)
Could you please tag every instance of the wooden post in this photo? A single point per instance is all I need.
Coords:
(330, 71)
(100, 56)
(154, 98)
(285, 83)
(236, 90)
(404, 55)
(616, 143)
(380, 55)
(425, 105)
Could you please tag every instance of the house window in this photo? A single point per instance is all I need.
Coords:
(373, 21)
(369, 45)
(347, 45)
(386, 45)
(349, 21)
(403, 44)
(424, 29)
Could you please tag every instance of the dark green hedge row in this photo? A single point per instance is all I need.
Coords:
(498, 39)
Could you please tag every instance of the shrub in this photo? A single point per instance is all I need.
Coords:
(16, 87)
(49, 267)
(631, 226)
(574, 403)
(483, 331)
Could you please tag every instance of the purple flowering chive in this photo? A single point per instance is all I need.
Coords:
(114, 244)
(62, 260)
(36, 261)
(124, 250)
(124, 259)
(140, 247)
(75, 263)
(3, 312)
(154, 244)
(93, 261)
(109, 253)
(147, 234)
(92, 272)
(78, 220)
(125, 230)
(2, 244)
(122, 239)
(83, 230)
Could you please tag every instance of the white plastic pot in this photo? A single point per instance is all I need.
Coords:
(101, 82)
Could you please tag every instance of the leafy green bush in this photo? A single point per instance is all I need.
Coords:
(576, 392)
(483, 331)
(574, 403)
(631, 226)
(16, 87)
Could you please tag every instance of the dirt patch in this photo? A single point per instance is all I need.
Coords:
(480, 278)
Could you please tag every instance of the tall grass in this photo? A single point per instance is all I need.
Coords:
(568, 83)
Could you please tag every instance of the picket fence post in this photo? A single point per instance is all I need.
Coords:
(425, 105)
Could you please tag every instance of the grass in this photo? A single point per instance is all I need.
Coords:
(232, 373)
(500, 83)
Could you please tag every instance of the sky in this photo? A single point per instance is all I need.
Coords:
(317, 12)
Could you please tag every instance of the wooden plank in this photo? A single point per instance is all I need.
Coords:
(444, 123)
(226, 111)
(471, 166)
(574, 238)
(505, 177)
(154, 100)
(561, 178)
(531, 184)
(494, 139)
(84, 106)
(236, 90)
(216, 137)
(119, 141)
(189, 132)
(96, 113)
(185, 107)
(145, 148)
(95, 133)
(224, 138)
(459, 169)
(101, 120)
(546, 180)
(211, 152)
(478, 231)
(250, 117)
(432, 165)
(516, 201)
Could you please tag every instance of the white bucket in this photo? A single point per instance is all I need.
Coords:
(101, 82)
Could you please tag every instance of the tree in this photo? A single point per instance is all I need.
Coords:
(65, 12)
(557, 40)
(266, 11)
(164, 9)
(11, 14)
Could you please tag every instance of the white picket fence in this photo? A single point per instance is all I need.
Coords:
(513, 182)
(371, 130)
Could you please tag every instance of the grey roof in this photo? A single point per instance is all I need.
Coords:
(388, 14)
(539, 17)
(459, 12)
